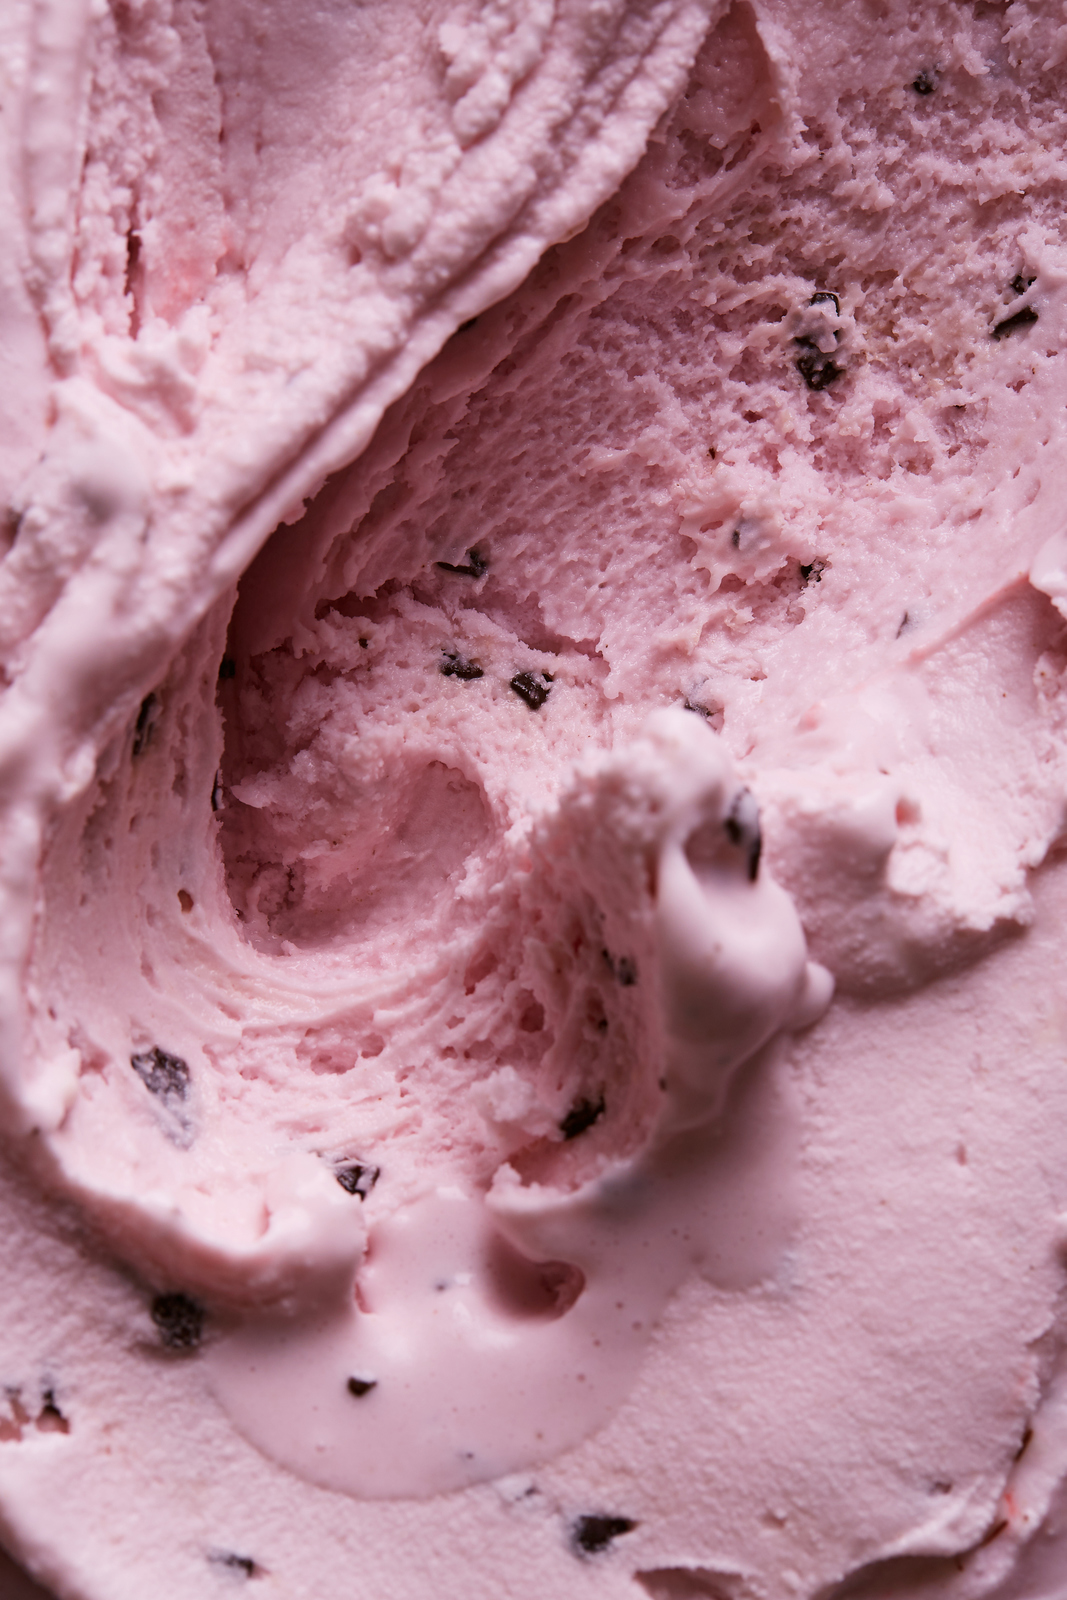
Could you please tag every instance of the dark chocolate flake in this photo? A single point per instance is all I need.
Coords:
(926, 82)
(825, 297)
(533, 690)
(743, 829)
(581, 1116)
(180, 1321)
(1021, 319)
(361, 1386)
(817, 368)
(162, 1074)
(454, 666)
(50, 1419)
(594, 1533)
(235, 1563)
(358, 1177)
(142, 730)
(476, 566)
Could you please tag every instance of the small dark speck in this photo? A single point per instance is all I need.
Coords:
(926, 82)
(363, 643)
(626, 971)
(162, 1074)
(142, 731)
(358, 1177)
(742, 825)
(581, 1116)
(454, 666)
(1021, 319)
(530, 689)
(735, 538)
(51, 1419)
(711, 452)
(812, 571)
(361, 1386)
(180, 1321)
(476, 566)
(235, 1563)
(825, 297)
(227, 668)
(593, 1534)
(905, 619)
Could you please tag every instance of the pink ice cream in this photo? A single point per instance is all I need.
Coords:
(534, 773)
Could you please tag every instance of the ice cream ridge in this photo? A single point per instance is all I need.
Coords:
(533, 784)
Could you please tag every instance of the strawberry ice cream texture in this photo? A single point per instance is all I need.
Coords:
(533, 795)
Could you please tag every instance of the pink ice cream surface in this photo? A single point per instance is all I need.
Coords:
(535, 555)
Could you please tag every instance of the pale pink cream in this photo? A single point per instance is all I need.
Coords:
(536, 553)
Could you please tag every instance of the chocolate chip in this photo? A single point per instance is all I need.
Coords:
(826, 297)
(50, 1419)
(180, 1321)
(454, 666)
(743, 828)
(735, 538)
(142, 730)
(361, 1386)
(235, 1563)
(813, 571)
(358, 1178)
(817, 368)
(1021, 319)
(477, 566)
(530, 689)
(624, 970)
(227, 668)
(164, 1075)
(581, 1116)
(594, 1533)
(926, 82)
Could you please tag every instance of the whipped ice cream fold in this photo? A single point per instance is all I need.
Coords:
(532, 798)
